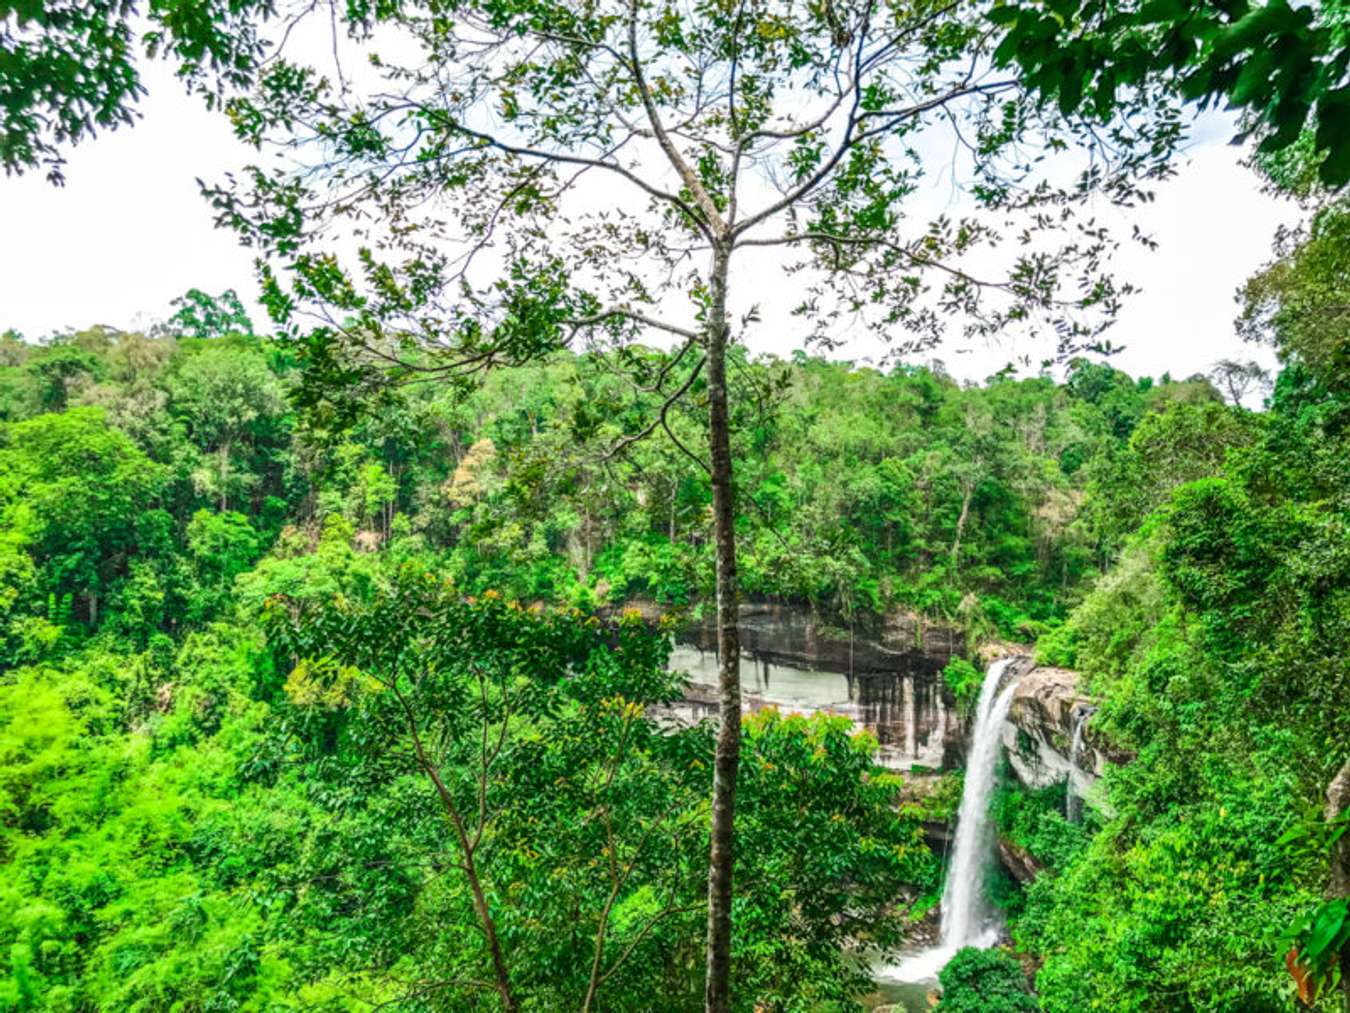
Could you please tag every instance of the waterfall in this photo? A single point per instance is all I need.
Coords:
(964, 910)
(966, 917)
(1073, 800)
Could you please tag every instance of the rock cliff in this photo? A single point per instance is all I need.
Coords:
(1049, 737)
(790, 634)
(885, 675)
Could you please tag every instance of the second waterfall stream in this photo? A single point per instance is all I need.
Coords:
(967, 919)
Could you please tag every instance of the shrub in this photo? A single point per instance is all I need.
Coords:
(984, 981)
(964, 680)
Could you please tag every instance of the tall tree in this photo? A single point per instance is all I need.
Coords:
(79, 496)
(1298, 301)
(1237, 379)
(529, 174)
(204, 316)
(223, 393)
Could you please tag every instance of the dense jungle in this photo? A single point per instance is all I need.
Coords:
(347, 657)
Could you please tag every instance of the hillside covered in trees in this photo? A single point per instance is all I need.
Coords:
(345, 661)
(863, 490)
(192, 819)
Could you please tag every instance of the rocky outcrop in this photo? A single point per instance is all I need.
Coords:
(885, 676)
(791, 634)
(1049, 737)
(1046, 709)
(905, 631)
(1018, 861)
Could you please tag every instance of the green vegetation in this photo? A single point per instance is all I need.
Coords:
(217, 824)
(862, 491)
(963, 680)
(214, 621)
(323, 680)
(223, 642)
(984, 981)
(1216, 649)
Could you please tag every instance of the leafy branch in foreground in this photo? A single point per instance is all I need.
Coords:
(70, 69)
(540, 834)
(1284, 65)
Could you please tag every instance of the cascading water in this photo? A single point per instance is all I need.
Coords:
(964, 910)
(1073, 798)
(966, 918)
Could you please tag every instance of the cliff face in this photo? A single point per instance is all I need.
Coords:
(886, 675)
(1048, 735)
(788, 634)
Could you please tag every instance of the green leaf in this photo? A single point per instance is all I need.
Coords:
(1327, 926)
(1254, 79)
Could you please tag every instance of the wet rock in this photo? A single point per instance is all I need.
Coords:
(792, 634)
(1018, 861)
(905, 631)
(1038, 736)
(938, 837)
(885, 676)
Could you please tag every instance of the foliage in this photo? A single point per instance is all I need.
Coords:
(1034, 820)
(199, 315)
(70, 70)
(204, 827)
(415, 686)
(964, 680)
(854, 481)
(1296, 302)
(1214, 650)
(1284, 65)
(984, 981)
(109, 897)
(80, 497)
(166, 781)
(1319, 938)
(799, 128)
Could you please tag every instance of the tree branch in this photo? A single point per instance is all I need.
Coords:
(701, 196)
(552, 156)
(660, 416)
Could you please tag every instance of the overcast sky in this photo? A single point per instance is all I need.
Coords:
(129, 232)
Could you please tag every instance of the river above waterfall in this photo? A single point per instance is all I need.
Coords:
(889, 685)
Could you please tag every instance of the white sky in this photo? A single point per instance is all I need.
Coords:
(129, 232)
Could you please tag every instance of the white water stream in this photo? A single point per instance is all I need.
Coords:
(967, 919)
(1073, 797)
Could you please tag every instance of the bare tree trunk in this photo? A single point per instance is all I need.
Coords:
(968, 491)
(224, 474)
(721, 856)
